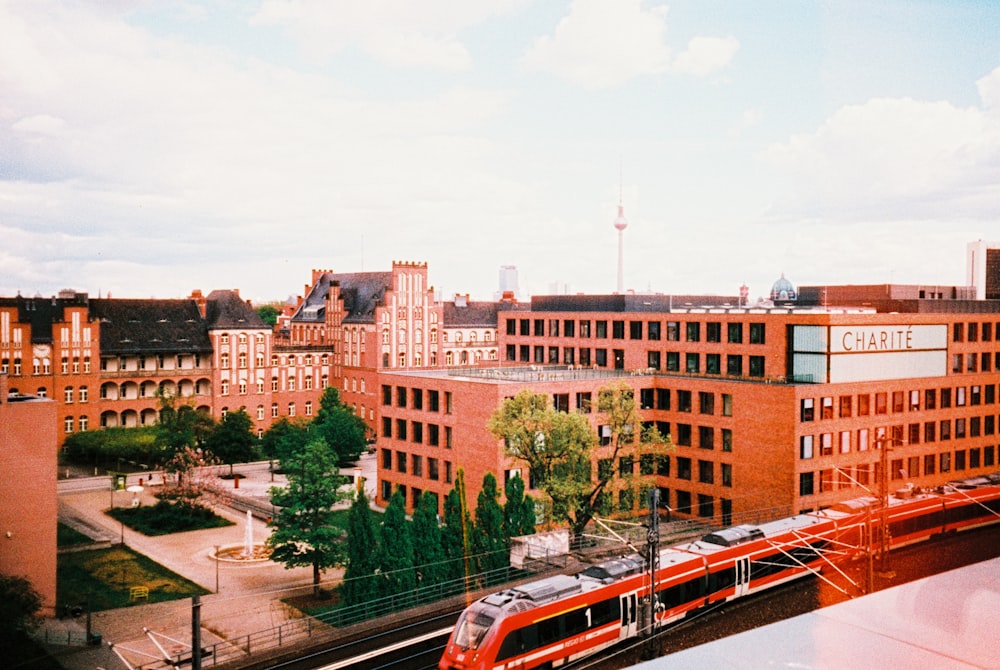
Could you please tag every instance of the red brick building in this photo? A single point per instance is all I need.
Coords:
(773, 409)
(28, 504)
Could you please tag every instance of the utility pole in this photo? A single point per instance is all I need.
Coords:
(196, 633)
(884, 442)
(653, 564)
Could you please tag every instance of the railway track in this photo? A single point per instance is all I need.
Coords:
(418, 646)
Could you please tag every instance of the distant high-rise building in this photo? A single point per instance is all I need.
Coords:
(983, 269)
(508, 282)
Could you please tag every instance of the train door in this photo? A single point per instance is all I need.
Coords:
(742, 576)
(630, 613)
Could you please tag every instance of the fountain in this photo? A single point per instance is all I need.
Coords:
(248, 552)
(248, 537)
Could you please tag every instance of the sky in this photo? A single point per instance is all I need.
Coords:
(149, 148)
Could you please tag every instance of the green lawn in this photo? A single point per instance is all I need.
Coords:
(69, 537)
(108, 574)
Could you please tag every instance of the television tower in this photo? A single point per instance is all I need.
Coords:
(621, 223)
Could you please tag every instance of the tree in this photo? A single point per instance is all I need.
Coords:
(428, 551)
(303, 533)
(396, 549)
(627, 438)
(343, 430)
(489, 542)
(192, 478)
(268, 314)
(19, 606)
(556, 447)
(455, 533)
(180, 425)
(284, 438)
(359, 585)
(232, 440)
(518, 511)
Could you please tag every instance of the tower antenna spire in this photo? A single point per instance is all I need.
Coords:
(621, 223)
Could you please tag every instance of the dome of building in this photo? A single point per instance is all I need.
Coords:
(783, 290)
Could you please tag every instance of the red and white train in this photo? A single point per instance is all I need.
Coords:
(563, 618)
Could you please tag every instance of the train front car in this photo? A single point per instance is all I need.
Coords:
(465, 648)
(553, 620)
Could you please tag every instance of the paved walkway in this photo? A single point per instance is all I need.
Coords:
(246, 601)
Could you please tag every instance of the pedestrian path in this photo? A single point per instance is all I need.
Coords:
(245, 597)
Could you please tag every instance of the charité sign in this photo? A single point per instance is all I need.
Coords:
(879, 339)
(868, 352)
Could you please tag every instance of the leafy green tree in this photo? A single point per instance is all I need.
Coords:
(396, 549)
(268, 314)
(518, 511)
(180, 425)
(303, 531)
(108, 444)
(232, 440)
(360, 585)
(343, 430)
(19, 607)
(455, 534)
(428, 551)
(489, 542)
(556, 447)
(284, 438)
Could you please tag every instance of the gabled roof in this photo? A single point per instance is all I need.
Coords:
(225, 309)
(361, 293)
(150, 326)
(470, 315)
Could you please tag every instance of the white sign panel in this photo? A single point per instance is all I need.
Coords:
(869, 352)
(880, 339)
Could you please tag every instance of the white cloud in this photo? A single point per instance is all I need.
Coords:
(989, 90)
(400, 33)
(705, 55)
(602, 43)
(893, 159)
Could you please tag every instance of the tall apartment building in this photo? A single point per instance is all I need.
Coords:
(773, 409)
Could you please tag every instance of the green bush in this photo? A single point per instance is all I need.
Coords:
(165, 518)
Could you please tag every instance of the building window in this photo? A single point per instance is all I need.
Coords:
(274, 410)
(652, 360)
(806, 409)
(68, 395)
(713, 363)
(806, 447)
(291, 409)
(756, 366)
(618, 330)
(706, 402)
(635, 330)
(309, 408)
(683, 401)
(652, 330)
(734, 365)
(713, 331)
(805, 483)
(683, 468)
(84, 423)
(673, 361)
(260, 412)
(84, 394)
(673, 331)
(734, 332)
(757, 333)
(706, 472)
(692, 331)
(224, 387)
(692, 362)
(68, 424)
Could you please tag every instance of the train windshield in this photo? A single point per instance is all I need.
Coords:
(472, 628)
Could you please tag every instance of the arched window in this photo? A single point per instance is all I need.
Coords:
(449, 358)
(243, 360)
(224, 338)
(464, 358)
(260, 412)
(243, 338)
(224, 388)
